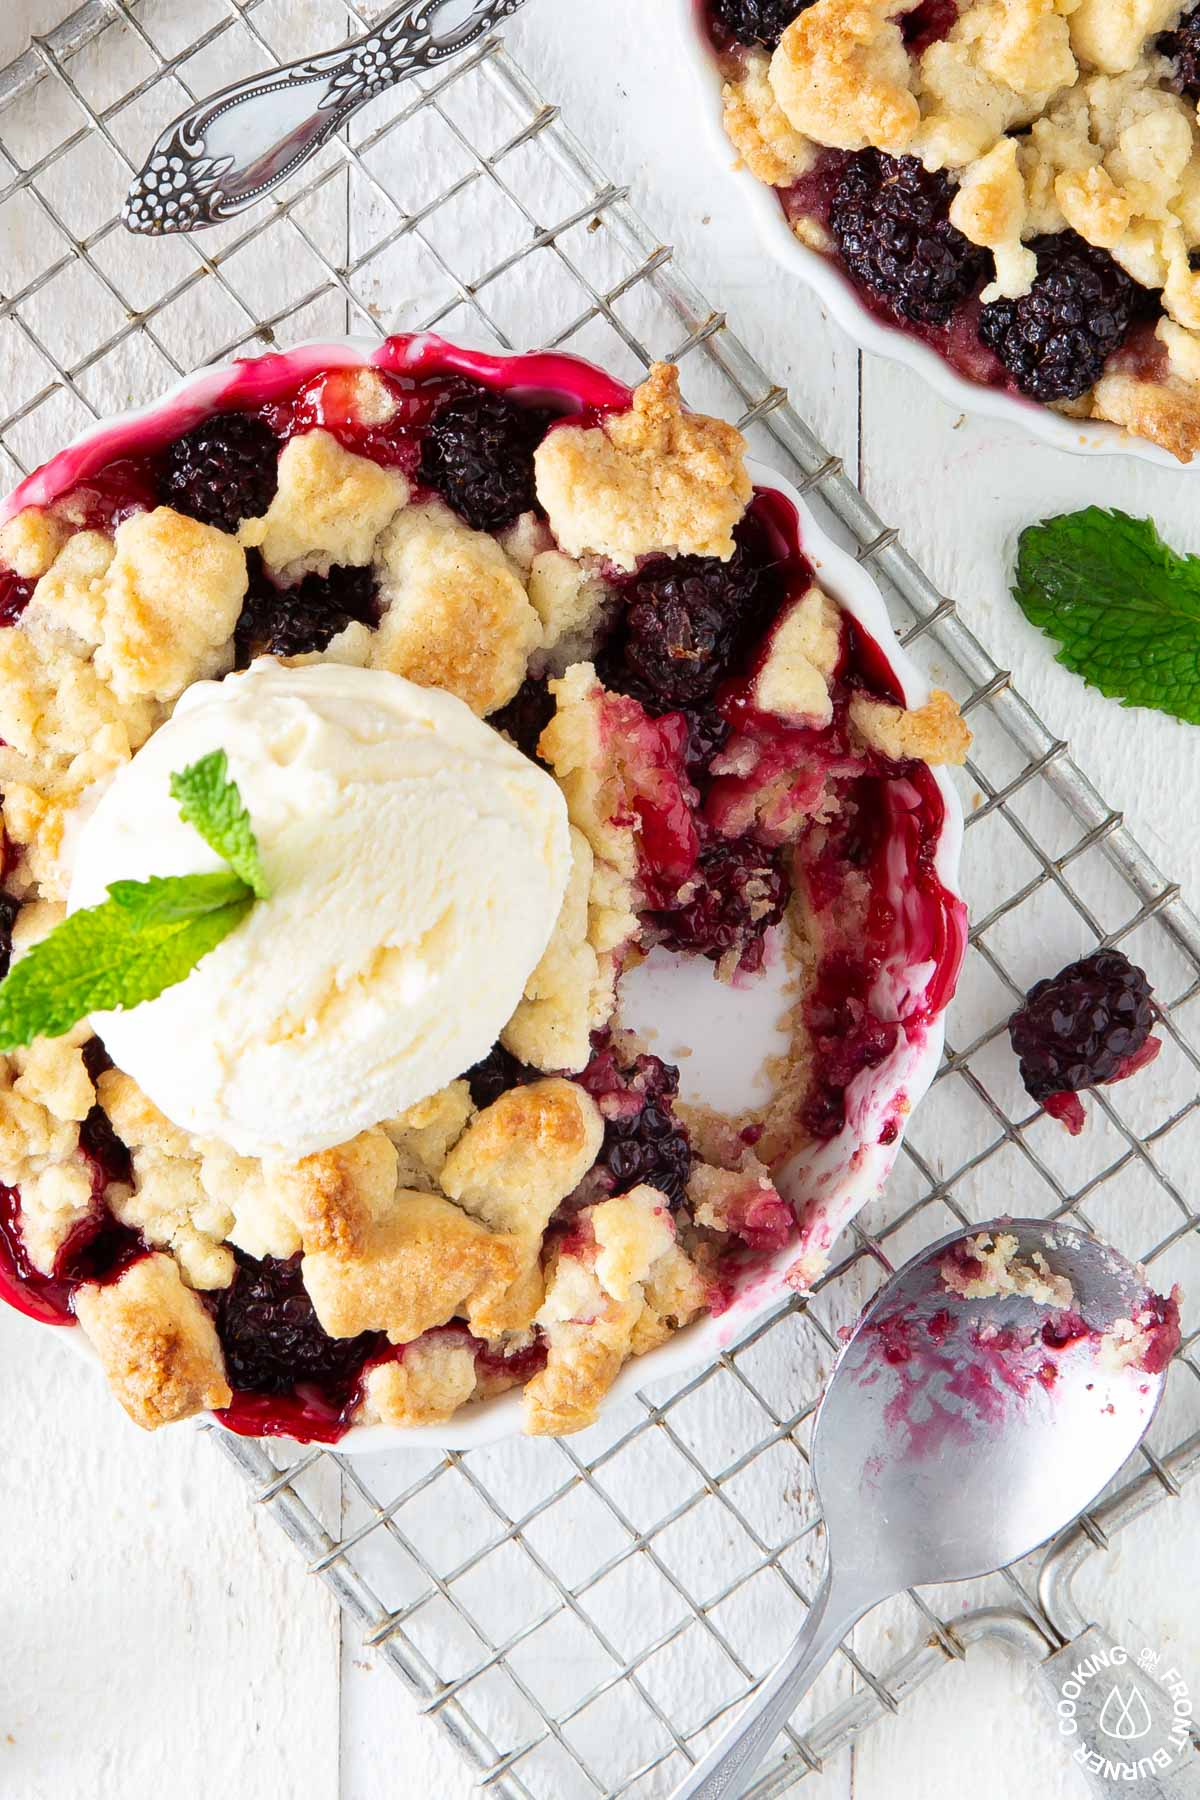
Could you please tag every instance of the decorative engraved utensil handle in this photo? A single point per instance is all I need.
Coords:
(231, 149)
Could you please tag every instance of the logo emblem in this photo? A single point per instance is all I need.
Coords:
(1126, 1716)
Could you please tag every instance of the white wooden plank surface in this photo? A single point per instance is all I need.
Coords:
(154, 1634)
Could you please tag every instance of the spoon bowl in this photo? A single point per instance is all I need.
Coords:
(988, 1393)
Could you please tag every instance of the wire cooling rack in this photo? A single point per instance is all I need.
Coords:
(582, 1616)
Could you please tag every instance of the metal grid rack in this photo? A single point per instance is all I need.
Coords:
(499, 1584)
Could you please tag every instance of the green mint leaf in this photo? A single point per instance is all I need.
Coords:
(210, 801)
(1124, 607)
(116, 955)
(171, 899)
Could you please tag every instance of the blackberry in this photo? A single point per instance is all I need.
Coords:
(756, 21)
(1078, 1028)
(1183, 47)
(222, 471)
(682, 622)
(643, 1141)
(527, 715)
(1056, 339)
(741, 890)
(478, 454)
(295, 621)
(9, 908)
(271, 1336)
(108, 1157)
(498, 1072)
(891, 220)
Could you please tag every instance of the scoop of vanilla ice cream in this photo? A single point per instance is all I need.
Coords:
(416, 862)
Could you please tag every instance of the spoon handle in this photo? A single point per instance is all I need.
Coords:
(226, 152)
(839, 1605)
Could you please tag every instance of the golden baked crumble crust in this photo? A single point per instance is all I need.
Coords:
(420, 1264)
(759, 129)
(156, 1343)
(331, 507)
(934, 733)
(653, 480)
(803, 653)
(456, 614)
(516, 1161)
(572, 991)
(594, 1301)
(435, 1376)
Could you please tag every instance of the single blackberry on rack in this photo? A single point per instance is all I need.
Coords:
(222, 471)
(1082, 1026)
(1182, 46)
(682, 622)
(756, 21)
(740, 891)
(295, 621)
(1056, 339)
(478, 454)
(890, 217)
(272, 1337)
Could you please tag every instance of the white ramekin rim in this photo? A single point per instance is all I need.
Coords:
(1081, 437)
(904, 1077)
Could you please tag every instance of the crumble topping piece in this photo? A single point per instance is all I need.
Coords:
(933, 733)
(653, 480)
(434, 1377)
(425, 1135)
(1110, 34)
(803, 653)
(585, 767)
(70, 595)
(518, 1159)
(420, 1264)
(30, 541)
(168, 1202)
(336, 1196)
(524, 541)
(45, 1094)
(456, 614)
(841, 75)
(156, 1343)
(571, 602)
(590, 1329)
(246, 1190)
(742, 1202)
(63, 732)
(171, 598)
(571, 993)
(983, 1267)
(632, 1232)
(759, 129)
(990, 209)
(330, 508)
(1164, 407)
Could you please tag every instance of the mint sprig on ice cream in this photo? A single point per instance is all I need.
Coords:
(148, 935)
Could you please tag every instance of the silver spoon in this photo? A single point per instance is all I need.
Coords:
(951, 1441)
(226, 152)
